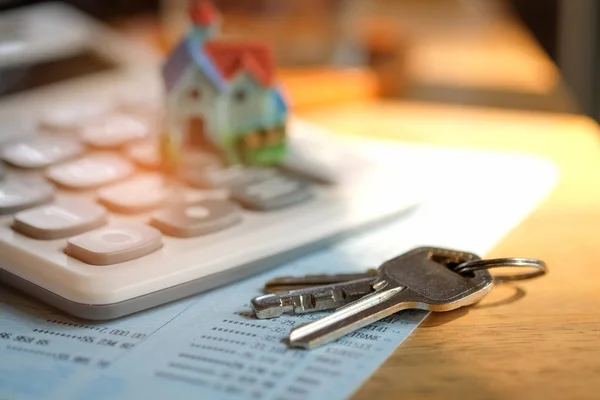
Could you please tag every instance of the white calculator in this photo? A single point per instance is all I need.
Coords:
(87, 222)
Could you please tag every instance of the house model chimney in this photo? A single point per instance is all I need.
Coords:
(205, 18)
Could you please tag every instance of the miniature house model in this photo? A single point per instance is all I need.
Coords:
(221, 96)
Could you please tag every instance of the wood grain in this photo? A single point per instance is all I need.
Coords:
(537, 339)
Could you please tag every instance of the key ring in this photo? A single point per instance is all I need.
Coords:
(539, 267)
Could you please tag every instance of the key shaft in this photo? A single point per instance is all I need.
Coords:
(311, 299)
(356, 315)
(287, 283)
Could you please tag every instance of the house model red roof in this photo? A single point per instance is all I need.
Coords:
(203, 13)
(233, 57)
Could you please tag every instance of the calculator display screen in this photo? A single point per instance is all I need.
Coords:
(18, 78)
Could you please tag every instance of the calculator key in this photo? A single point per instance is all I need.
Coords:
(114, 131)
(215, 177)
(139, 194)
(145, 154)
(57, 221)
(70, 117)
(271, 193)
(114, 244)
(196, 169)
(15, 129)
(41, 152)
(149, 109)
(194, 219)
(19, 195)
(307, 165)
(91, 171)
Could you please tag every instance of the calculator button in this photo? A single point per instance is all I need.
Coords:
(269, 194)
(145, 154)
(214, 177)
(204, 170)
(114, 244)
(57, 221)
(70, 117)
(16, 129)
(194, 219)
(19, 195)
(148, 109)
(90, 171)
(316, 168)
(41, 152)
(139, 194)
(114, 131)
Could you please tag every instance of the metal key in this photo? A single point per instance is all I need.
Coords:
(311, 299)
(421, 279)
(286, 283)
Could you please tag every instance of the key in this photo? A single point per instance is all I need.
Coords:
(304, 163)
(285, 283)
(70, 117)
(41, 152)
(56, 221)
(90, 171)
(14, 129)
(146, 154)
(195, 219)
(114, 244)
(278, 191)
(124, 197)
(311, 299)
(421, 279)
(207, 174)
(115, 130)
(17, 195)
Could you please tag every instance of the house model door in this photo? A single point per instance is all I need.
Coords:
(196, 136)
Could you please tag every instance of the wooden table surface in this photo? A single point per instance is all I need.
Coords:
(536, 339)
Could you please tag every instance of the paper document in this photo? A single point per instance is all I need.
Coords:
(210, 346)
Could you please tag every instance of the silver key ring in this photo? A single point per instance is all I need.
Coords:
(539, 267)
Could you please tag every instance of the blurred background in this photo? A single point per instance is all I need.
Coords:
(500, 53)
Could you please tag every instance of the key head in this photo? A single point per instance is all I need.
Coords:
(429, 281)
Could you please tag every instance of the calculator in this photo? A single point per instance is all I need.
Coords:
(89, 223)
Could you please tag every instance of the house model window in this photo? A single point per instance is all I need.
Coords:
(195, 94)
(221, 96)
(240, 96)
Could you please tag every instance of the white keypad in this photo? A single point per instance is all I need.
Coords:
(91, 171)
(114, 244)
(55, 221)
(115, 130)
(139, 194)
(41, 152)
(17, 195)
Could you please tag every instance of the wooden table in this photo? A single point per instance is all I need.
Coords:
(537, 339)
